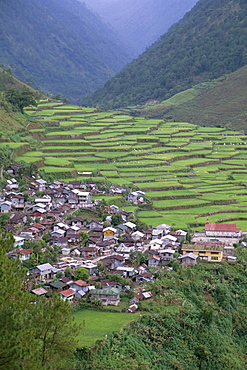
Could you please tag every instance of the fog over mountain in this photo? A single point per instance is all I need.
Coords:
(140, 22)
(59, 46)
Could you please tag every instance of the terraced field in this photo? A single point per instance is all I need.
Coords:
(189, 173)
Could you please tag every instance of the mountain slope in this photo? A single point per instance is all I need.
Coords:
(59, 46)
(140, 22)
(210, 41)
(220, 102)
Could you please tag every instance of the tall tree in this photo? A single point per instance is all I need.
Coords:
(55, 333)
(32, 336)
(5, 158)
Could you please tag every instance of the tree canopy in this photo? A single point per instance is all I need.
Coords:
(21, 98)
(32, 336)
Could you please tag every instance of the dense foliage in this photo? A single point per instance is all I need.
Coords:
(20, 99)
(59, 46)
(197, 320)
(208, 42)
(34, 333)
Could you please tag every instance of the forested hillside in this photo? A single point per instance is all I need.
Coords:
(197, 321)
(59, 46)
(208, 42)
(140, 22)
(218, 102)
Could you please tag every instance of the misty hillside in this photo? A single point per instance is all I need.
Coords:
(210, 41)
(140, 22)
(59, 46)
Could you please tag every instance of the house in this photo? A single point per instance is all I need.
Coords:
(95, 225)
(25, 254)
(155, 244)
(78, 221)
(80, 287)
(136, 197)
(88, 252)
(207, 251)
(125, 250)
(188, 258)
(67, 294)
(106, 284)
(45, 271)
(137, 236)
(125, 214)
(60, 242)
(169, 239)
(5, 206)
(106, 296)
(130, 226)
(117, 261)
(39, 291)
(91, 267)
(41, 184)
(113, 209)
(19, 242)
(58, 233)
(18, 219)
(126, 271)
(84, 197)
(143, 277)
(164, 227)
(166, 255)
(109, 232)
(132, 308)
(222, 230)
(153, 261)
(57, 286)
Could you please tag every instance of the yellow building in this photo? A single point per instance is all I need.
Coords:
(211, 252)
(109, 232)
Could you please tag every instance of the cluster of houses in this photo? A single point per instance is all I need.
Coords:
(110, 247)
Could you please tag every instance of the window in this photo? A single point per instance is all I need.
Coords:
(214, 258)
(214, 252)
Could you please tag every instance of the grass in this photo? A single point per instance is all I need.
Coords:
(96, 324)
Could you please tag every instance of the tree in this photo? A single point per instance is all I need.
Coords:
(81, 273)
(32, 336)
(55, 332)
(116, 219)
(14, 333)
(20, 99)
(4, 219)
(84, 237)
(5, 159)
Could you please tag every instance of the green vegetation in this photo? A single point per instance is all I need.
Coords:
(199, 48)
(196, 320)
(95, 325)
(34, 333)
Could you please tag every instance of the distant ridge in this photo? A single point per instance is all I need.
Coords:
(59, 46)
(210, 41)
(140, 22)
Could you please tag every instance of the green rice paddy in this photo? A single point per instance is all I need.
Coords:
(186, 171)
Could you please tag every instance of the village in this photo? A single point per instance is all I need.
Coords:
(97, 260)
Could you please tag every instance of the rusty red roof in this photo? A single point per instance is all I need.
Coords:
(67, 292)
(221, 227)
(80, 283)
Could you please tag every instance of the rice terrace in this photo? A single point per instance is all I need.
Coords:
(188, 173)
